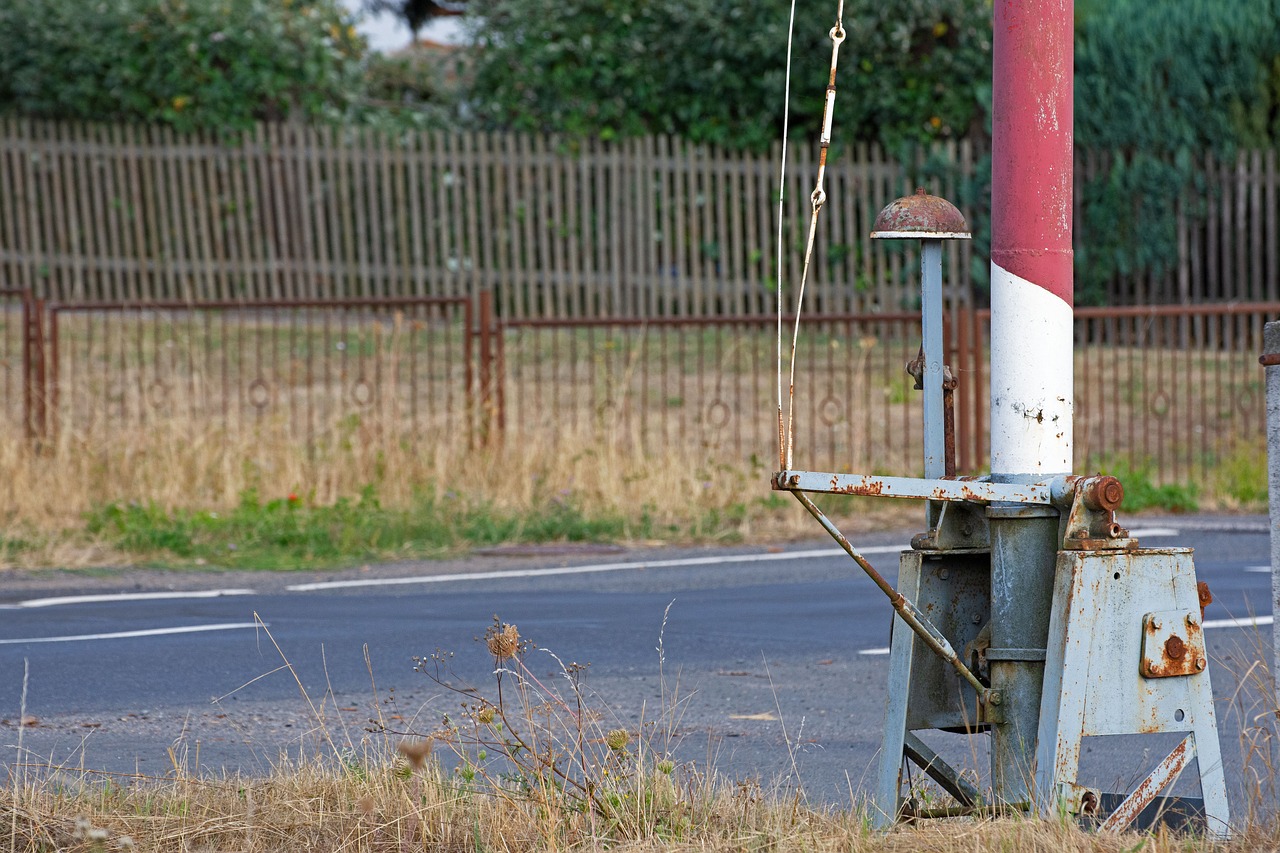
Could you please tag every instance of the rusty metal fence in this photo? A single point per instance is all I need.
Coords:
(399, 366)
(1172, 390)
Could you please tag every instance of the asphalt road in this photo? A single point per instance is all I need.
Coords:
(774, 655)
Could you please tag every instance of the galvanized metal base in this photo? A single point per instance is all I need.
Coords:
(954, 589)
(1125, 656)
(1114, 613)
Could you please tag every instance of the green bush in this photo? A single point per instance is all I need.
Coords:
(191, 64)
(1159, 84)
(714, 72)
(1173, 75)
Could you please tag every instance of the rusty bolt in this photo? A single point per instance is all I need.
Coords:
(1201, 663)
(1155, 624)
(1103, 493)
(1192, 620)
(795, 479)
(1089, 803)
(993, 697)
(1174, 648)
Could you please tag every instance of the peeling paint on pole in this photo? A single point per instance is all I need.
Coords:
(1031, 256)
(1031, 355)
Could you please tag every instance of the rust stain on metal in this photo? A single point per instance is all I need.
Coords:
(1150, 787)
(920, 213)
(1206, 597)
(1172, 645)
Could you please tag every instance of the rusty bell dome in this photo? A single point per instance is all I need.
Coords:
(920, 217)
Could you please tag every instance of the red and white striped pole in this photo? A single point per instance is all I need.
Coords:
(1031, 258)
(1031, 356)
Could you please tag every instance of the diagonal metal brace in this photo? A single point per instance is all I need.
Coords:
(930, 635)
(940, 771)
(1165, 772)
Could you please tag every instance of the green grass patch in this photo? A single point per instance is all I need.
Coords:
(293, 533)
(1240, 477)
(1141, 491)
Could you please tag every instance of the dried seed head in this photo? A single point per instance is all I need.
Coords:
(503, 643)
(366, 805)
(416, 751)
(485, 715)
(617, 739)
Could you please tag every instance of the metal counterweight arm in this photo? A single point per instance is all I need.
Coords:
(924, 629)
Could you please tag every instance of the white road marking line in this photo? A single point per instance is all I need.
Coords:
(883, 651)
(1153, 532)
(123, 596)
(591, 569)
(1257, 568)
(1245, 622)
(149, 632)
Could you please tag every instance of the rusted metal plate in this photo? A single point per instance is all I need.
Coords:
(1172, 644)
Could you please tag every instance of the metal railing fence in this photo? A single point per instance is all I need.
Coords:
(1173, 391)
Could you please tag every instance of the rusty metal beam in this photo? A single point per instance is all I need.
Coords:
(868, 485)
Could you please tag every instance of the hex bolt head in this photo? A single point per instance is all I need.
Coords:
(1156, 624)
(1201, 663)
(1193, 620)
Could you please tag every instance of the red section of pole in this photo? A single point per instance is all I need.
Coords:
(1031, 163)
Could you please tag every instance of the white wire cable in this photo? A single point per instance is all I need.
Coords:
(782, 193)
(818, 199)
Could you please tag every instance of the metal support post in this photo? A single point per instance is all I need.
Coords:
(1024, 548)
(1271, 361)
(935, 455)
(1031, 352)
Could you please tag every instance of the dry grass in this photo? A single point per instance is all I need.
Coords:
(385, 809)
(180, 464)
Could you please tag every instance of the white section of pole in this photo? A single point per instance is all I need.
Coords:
(1031, 393)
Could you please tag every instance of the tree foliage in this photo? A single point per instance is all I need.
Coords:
(1167, 75)
(1157, 85)
(713, 70)
(220, 64)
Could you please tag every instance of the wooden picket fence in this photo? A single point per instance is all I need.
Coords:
(651, 227)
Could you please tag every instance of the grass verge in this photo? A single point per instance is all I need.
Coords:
(179, 494)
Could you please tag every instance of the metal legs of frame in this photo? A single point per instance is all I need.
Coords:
(1125, 655)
